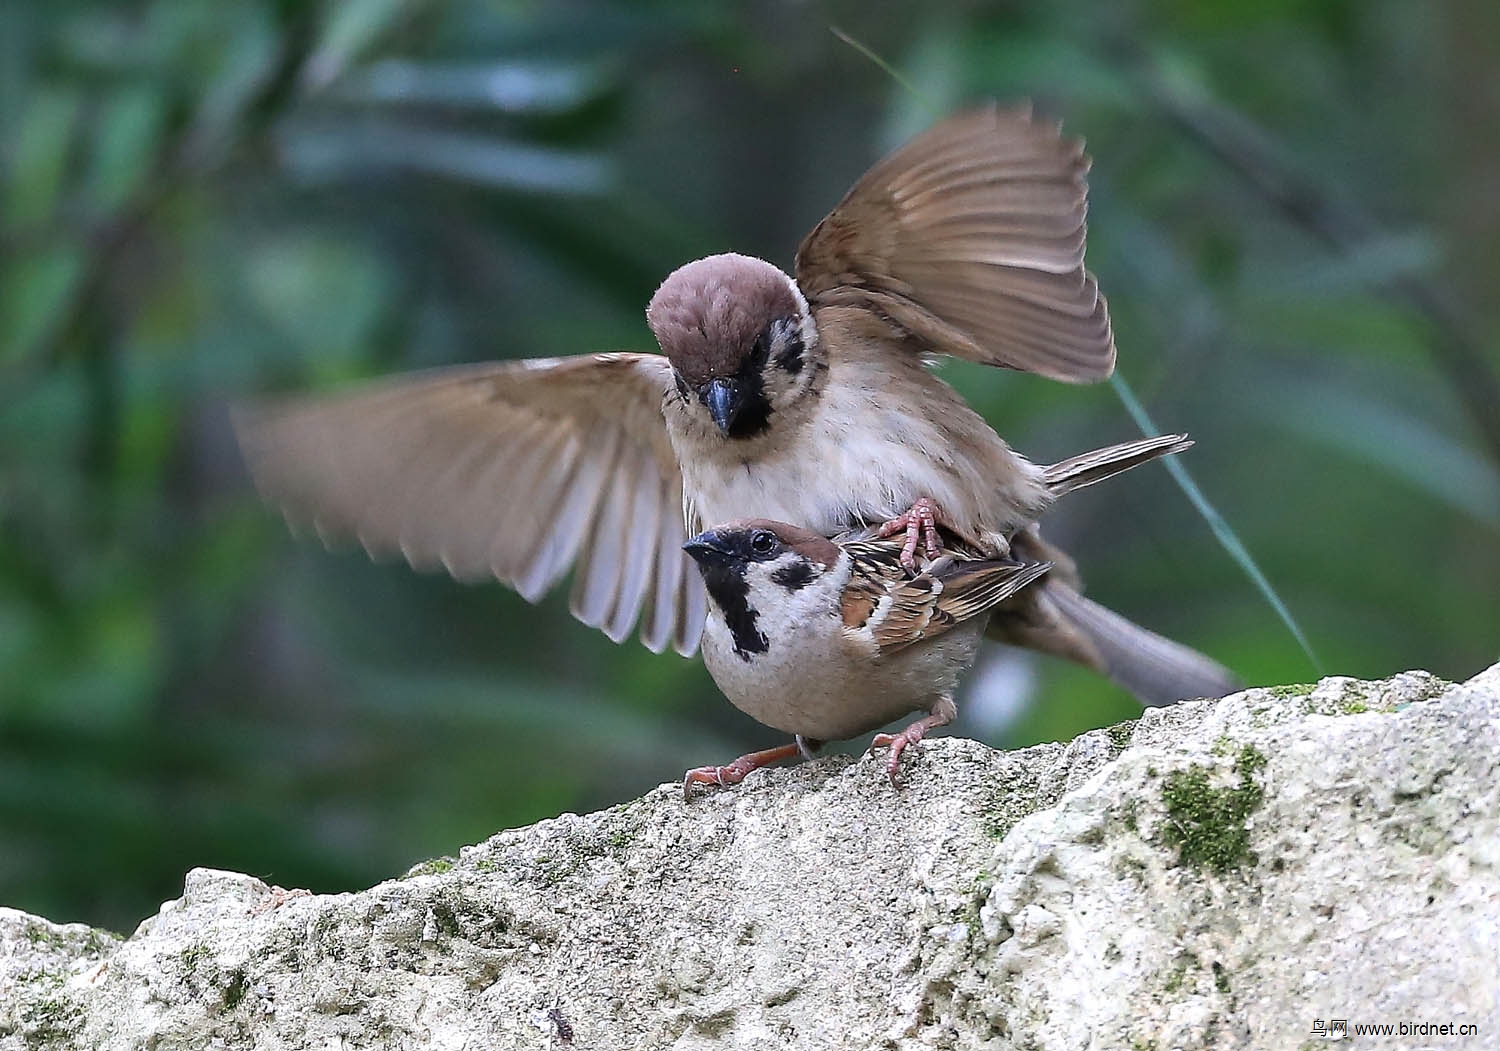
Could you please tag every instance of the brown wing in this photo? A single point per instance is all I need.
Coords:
(512, 470)
(875, 570)
(972, 588)
(899, 611)
(971, 238)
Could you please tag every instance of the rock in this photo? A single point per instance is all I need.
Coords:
(1217, 875)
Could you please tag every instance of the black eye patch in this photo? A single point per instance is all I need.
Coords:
(794, 575)
(790, 358)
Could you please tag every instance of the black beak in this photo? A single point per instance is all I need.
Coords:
(709, 549)
(723, 400)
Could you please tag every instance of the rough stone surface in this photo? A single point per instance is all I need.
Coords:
(1217, 875)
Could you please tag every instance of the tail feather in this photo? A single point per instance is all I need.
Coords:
(1156, 669)
(1087, 468)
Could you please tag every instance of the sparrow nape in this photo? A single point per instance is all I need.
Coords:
(803, 398)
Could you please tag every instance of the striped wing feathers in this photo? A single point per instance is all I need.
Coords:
(896, 610)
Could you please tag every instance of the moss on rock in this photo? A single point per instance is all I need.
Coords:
(1207, 824)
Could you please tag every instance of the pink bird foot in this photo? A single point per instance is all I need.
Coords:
(920, 526)
(942, 714)
(735, 772)
(277, 897)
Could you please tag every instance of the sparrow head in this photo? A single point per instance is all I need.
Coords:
(740, 338)
(767, 578)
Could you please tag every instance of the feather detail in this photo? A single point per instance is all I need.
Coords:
(971, 238)
(895, 609)
(514, 470)
(1076, 472)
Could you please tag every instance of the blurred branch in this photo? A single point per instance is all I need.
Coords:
(1457, 347)
(321, 149)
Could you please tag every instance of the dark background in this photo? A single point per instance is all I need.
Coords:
(1295, 213)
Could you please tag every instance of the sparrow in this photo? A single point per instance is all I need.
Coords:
(827, 641)
(806, 399)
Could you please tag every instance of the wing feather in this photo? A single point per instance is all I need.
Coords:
(661, 608)
(971, 238)
(638, 534)
(514, 470)
(596, 578)
(898, 610)
(537, 517)
(1077, 472)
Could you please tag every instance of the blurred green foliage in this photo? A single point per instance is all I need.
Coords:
(1295, 213)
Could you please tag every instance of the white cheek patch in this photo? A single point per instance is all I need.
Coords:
(804, 316)
(792, 596)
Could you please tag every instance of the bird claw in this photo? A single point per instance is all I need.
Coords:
(737, 771)
(898, 743)
(712, 776)
(278, 897)
(941, 715)
(920, 525)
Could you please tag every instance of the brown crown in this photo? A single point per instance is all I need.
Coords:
(707, 315)
(815, 547)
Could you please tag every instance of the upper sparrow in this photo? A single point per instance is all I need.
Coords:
(806, 400)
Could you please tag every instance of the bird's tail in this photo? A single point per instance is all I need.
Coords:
(1156, 669)
(1087, 468)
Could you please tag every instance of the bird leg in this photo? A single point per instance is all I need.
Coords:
(278, 897)
(736, 771)
(943, 713)
(809, 747)
(920, 525)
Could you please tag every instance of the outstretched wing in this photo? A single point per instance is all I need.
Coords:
(515, 471)
(971, 238)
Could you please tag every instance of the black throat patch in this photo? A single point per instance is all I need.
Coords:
(755, 410)
(728, 588)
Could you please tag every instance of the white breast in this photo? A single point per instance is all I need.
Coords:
(814, 680)
(877, 438)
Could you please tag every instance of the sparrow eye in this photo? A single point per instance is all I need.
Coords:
(762, 542)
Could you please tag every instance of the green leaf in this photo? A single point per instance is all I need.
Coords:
(512, 87)
(127, 136)
(39, 160)
(35, 294)
(324, 295)
(239, 68)
(1407, 447)
(322, 152)
(353, 26)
